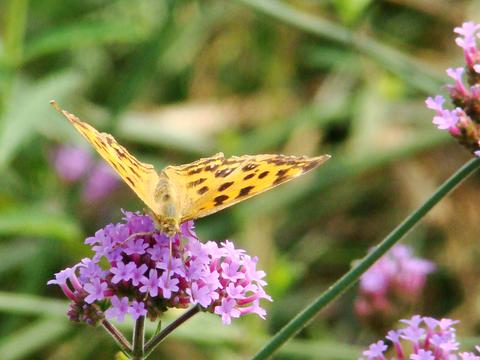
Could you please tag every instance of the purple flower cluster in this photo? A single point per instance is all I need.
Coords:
(462, 122)
(395, 279)
(423, 338)
(148, 273)
(73, 164)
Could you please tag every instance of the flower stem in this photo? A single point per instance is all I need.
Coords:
(117, 336)
(306, 315)
(157, 339)
(138, 338)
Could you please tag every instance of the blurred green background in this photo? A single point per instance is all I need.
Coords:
(179, 80)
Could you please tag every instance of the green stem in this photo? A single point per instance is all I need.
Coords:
(138, 338)
(157, 339)
(417, 74)
(117, 336)
(305, 316)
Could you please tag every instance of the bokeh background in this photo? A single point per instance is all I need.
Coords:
(179, 80)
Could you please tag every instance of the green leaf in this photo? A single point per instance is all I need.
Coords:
(29, 339)
(410, 70)
(28, 107)
(36, 221)
(23, 304)
(15, 254)
(83, 34)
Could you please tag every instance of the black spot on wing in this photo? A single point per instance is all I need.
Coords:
(263, 174)
(202, 190)
(280, 180)
(129, 180)
(224, 172)
(195, 171)
(310, 165)
(219, 200)
(244, 191)
(282, 172)
(196, 182)
(225, 186)
(249, 167)
(211, 167)
(132, 169)
(249, 176)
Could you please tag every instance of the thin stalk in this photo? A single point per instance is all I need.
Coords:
(306, 315)
(138, 338)
(117, 336)
(157, 339)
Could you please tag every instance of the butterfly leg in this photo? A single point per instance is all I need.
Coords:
(131, 237)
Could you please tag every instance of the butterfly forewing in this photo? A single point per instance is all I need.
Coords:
(142, 178)
(216, 184)
(200, 188)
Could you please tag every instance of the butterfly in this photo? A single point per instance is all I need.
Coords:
(185, 192)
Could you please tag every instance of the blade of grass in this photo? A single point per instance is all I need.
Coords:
(28, 108)
(35, 221)
(412, 71)
(15, 254)
(28, 340)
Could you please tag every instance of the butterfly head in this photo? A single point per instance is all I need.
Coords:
(169, 226)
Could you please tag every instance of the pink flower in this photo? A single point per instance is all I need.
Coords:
(423, 338)
(158, 275)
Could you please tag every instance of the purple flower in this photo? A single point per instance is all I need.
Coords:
(71, 162)
(390, 279)
(100, 183)
(150, 283)
(168, 285)
(136, 247)
(463, 119)
(423, 338)
(137, 273)
(200, 294)
(376, 350)
(122, 272)
(118, 309)
(137, 309)
(227, 310)
(96, 290)
(467, 40)
(456, 74)
(147, 274)
(61, 280)
(422, 355)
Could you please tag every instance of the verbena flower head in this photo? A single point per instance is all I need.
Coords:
(146, 273)
(394, 281)
(421, 338)
(100, 183)
(75, 164)
(462, 119)
(71, 162)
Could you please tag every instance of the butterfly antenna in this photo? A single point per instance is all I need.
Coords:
(55, 106)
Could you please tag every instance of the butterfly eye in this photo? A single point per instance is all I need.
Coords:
(166, 197)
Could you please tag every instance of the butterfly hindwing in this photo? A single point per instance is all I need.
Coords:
(142, 178)
(215, 183)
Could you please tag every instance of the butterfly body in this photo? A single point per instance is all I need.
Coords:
(185, 192)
